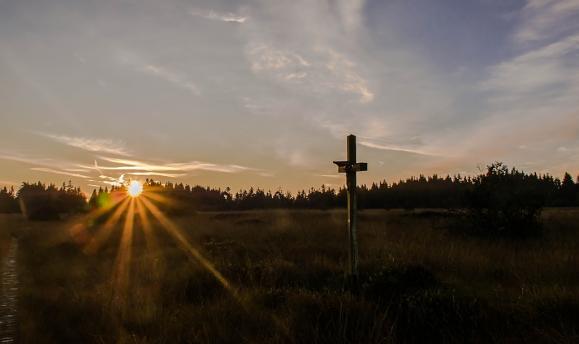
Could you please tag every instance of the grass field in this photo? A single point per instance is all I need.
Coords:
(278, 276)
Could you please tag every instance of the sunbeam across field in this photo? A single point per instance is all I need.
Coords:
(133, 202)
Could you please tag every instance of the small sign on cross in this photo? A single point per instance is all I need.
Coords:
(351, 167)
(345, 166)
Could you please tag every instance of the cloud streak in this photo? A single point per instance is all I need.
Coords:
(224, 17)
(332, 72)
(171, 77)
(43, 162)
(123, 167)
(347, 77)
(396, 149)
(137, 167)
(158, 174)
(54, 171)
(91, 144)
(335, 176)
(536, 70)
(159, 71)
(543, 18)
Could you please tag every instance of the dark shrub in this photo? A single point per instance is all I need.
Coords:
(37, 202)
(8, 202)
(506, 203)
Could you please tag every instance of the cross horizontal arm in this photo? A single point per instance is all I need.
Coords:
(347, 166)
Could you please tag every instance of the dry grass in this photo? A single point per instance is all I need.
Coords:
(285, 270)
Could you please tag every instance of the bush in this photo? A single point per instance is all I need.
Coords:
(8, 202)
(506, 203)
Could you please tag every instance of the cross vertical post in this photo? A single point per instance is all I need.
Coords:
(351, 167)
(352, 207)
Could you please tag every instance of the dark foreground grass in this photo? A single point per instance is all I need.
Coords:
(420, 282)
(10, 226)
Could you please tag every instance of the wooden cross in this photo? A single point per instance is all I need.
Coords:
(350, 167)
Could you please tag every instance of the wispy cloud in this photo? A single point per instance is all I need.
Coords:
(91, 144)
(225, 17)
(172, 77)
(162, 72)
(267, 58)
(348, 78)
(206, 166)
(115, 181)
(118, 170)
(333, 71)
(76, 169)
(541, 19)
(54, 171)
(533, 95)
(308, 70)
(335, 176)
(395, 148)
(136, 167)
(37, 161)
(159, 174)
(109, 178)
(537, 69)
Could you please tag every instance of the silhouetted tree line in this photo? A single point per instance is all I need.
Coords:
(48, 202)
(498, 187)
(422, 192)
(491, 192)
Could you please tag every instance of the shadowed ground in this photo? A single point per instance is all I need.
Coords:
(9, 294)
(278, 277)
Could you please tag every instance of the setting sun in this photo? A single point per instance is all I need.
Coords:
(135, 188)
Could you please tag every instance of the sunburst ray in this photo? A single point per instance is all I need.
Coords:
(104, 232)
(122, 267)
(152, 245)
(193, 253)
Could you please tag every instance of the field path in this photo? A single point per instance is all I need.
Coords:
(9, 294)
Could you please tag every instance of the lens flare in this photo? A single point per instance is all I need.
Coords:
(135, 188)
(136, 210)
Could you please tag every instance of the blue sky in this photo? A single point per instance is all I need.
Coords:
(263, 93)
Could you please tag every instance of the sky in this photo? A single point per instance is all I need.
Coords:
(263, 93)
